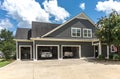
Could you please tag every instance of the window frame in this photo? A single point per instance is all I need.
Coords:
(75, 31)
(112, 48)
(87, 33)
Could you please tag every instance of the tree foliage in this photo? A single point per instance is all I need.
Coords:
(109, 29)
(7, 44)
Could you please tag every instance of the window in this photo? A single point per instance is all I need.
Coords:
(87, 33)
(113, 48)
(76, 32)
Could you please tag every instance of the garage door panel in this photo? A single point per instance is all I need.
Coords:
(47, 52)
(70, 52)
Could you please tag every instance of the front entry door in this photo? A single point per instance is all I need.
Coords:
(25, 52)
(96, 51)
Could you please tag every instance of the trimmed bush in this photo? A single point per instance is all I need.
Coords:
(101, 57)
(116, 57)
(111, 56)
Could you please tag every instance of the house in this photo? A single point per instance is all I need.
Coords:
(72, 39)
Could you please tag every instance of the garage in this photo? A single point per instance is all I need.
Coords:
(70, 51)
(25, 52)
(47, 52)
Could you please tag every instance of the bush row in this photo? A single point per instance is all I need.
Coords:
(112, 56)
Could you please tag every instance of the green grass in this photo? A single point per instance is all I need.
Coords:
(5, 62)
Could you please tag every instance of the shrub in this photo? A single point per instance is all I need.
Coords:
(111, 55)
(101, 57)
(116, 57)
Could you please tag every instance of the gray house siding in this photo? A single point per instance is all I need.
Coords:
(87, 50)
(65, 31)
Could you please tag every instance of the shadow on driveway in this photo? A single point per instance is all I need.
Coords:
(105, 62)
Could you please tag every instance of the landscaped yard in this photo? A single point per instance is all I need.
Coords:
(4, 62)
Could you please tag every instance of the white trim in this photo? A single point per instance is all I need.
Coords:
(75, 28)
(79, 51)
(79, 47)
(111, 47)
(68, 22)
(70, 40)
(25, 46)
(87, 33)
(46, 45)
(17, 51)
(22, 40)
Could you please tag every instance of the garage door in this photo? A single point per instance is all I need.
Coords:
(70, 51)
(47, 52)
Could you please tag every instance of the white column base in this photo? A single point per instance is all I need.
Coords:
(34, 60)
(60, 59)
(18, 59)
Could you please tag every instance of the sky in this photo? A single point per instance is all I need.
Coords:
(20, 13)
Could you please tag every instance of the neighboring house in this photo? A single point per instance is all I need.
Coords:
(72, 39)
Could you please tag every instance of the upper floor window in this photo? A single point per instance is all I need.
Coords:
(76, 32)
(87, 33)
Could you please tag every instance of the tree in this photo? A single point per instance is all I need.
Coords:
(109, 29)
(7, 44)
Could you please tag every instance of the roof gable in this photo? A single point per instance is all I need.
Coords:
(81, 16)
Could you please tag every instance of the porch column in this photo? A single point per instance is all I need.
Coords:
(61, 52)
(34, 53)
(100, 48)
(17, 53)
(79, 51)
(107, 52)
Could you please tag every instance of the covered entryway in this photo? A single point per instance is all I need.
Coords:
(70, 51)
(47, 52)
(25, 52)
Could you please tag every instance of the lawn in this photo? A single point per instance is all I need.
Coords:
(4, 62)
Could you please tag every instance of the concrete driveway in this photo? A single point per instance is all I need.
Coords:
(61, 69)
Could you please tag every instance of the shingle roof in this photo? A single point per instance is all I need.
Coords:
(41, 28)
(23, 33)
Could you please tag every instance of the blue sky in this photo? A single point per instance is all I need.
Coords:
(20, 13)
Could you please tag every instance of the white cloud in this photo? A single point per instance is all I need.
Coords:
(25, 11)
(59, 13)
(82, 6)
(108, 5)
(5, 24)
